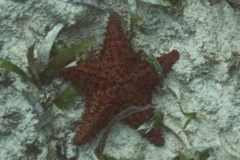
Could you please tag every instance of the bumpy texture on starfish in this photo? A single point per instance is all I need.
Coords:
(116, 80)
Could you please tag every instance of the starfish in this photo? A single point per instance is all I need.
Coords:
(114, 81)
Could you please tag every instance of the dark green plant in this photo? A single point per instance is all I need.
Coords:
(133, 19)
(153, 61)
(190, 115)
(65, 55)
(37, 74)
(5, 64)
(103, 139)
(197, 153)
(65, 97)
(153, 123)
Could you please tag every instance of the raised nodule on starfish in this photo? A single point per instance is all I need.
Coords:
(116, 80)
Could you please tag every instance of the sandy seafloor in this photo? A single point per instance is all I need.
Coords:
(207, 75)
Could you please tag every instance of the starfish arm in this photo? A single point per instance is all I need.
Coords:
(85, 76)
(167, 60)
(116, 46)
(137, 119)
(90, 124)
(155, 137)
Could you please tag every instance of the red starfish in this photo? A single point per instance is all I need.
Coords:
(119, 78)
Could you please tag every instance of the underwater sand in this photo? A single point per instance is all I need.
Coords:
(207, 76)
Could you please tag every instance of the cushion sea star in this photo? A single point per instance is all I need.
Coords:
(114, 81)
